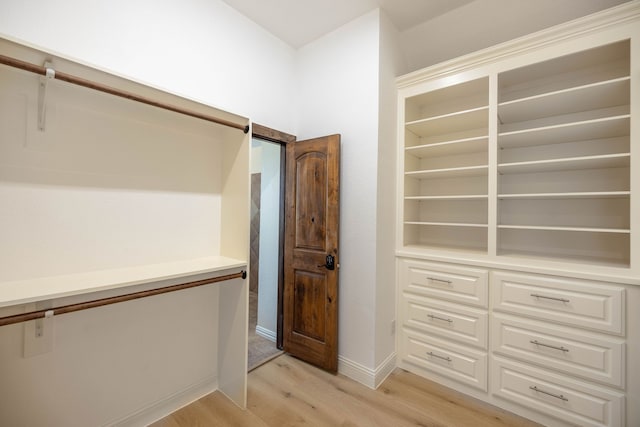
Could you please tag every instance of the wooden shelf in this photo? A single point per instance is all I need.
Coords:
(607, 127)
(475, 118)
(594, 96)
(46, 288)
(450, 172)
(573, 163)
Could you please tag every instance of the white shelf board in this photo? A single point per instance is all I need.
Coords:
(446, 224)
(572, 163)
(462, 92)
(574, 195)
(595, 64)
(450, 197)
(460, 250)
(46, 288)
(582, 98)
(451, 123)
(449, 148)
(535, 257)
(552, 228)
(450, 172)
(606, 127)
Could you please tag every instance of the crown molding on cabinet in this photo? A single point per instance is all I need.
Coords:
(565, 31)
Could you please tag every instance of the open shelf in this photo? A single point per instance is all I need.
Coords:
(564, 157)
(458, 121)
(451, 99)
(450, 197)
(25, 291)
(442, 236)
(598, 64)
(584, 229)
(605, 127)
(575, 246)
(446, 224)
(449, 172)
(574, 195)
(595, 96)
(447, 211)
(448, 148)
(575, 163)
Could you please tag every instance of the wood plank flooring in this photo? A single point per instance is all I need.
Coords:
(288, 392)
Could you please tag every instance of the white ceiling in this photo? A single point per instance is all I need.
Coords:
(298, 22)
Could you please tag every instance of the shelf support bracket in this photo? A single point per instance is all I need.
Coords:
(42, 94)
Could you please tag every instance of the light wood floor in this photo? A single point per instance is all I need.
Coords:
(288, 392)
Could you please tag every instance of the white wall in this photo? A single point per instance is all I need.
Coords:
(337, 92)
(89, 193)
(201, 49)
(392, 64)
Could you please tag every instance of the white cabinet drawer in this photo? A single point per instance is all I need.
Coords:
(572, 302)
(445, 281)
(444, 358)
(556, 395)
(590, 356)
(450, 321)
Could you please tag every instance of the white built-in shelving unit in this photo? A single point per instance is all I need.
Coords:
(564, 157)
(518, 233)
(522, 161)
(446, 167)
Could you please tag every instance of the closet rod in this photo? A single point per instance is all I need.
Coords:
(40, 314)
(16, 63)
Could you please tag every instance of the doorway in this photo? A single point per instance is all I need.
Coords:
(266, 244)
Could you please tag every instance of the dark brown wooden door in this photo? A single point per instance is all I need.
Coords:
(311, 251)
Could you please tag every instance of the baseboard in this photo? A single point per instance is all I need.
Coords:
(160, 409)
(385, 369)
(371, 378)
(265, 333)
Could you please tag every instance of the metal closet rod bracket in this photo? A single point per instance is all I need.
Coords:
(49, 75)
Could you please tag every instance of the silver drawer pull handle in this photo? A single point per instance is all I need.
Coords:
(549, 346)
(557, 396)
(431, 316)
(551, 298)
(433, 279)
(448, 359)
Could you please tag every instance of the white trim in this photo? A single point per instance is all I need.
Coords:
(266, 333)
(385, 369)
(371, 378)
(161, 408)
(578, 27)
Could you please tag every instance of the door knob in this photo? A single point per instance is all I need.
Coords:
(330, 263)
